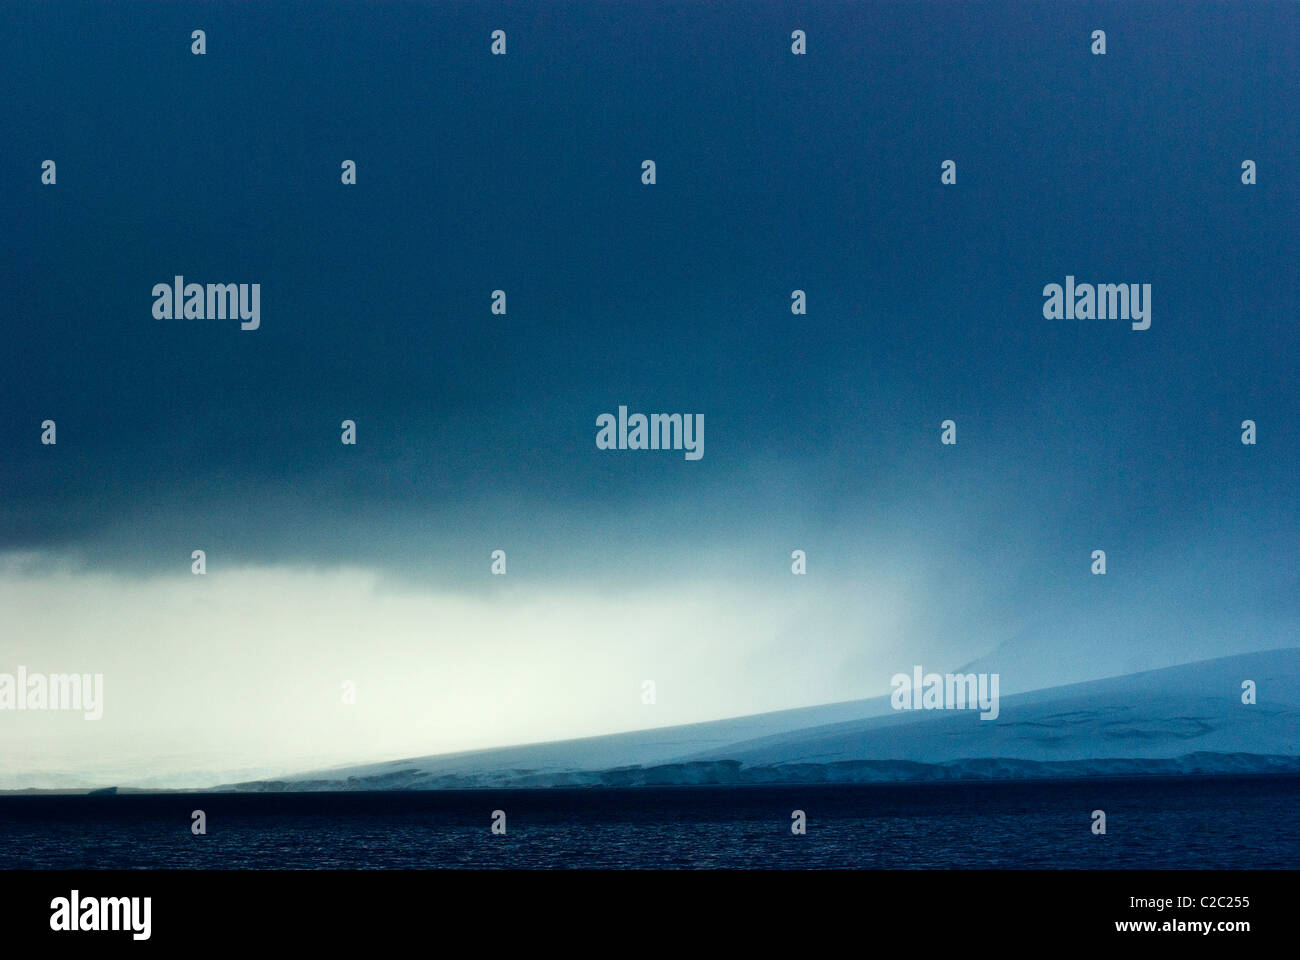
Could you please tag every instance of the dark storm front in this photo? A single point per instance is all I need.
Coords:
(1203, 823)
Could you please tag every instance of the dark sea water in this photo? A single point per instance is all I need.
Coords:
(1166, 823)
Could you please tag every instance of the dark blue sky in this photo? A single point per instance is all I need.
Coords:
(775, 172)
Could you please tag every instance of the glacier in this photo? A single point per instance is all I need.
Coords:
(1188, 719)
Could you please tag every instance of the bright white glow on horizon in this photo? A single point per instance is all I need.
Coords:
(236, 675)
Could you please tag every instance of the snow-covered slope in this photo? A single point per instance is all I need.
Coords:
(1183, 719)
(640, 747)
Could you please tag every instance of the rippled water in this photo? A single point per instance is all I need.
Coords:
(1219, 822)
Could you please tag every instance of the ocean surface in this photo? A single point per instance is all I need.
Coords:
(1151, 823)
